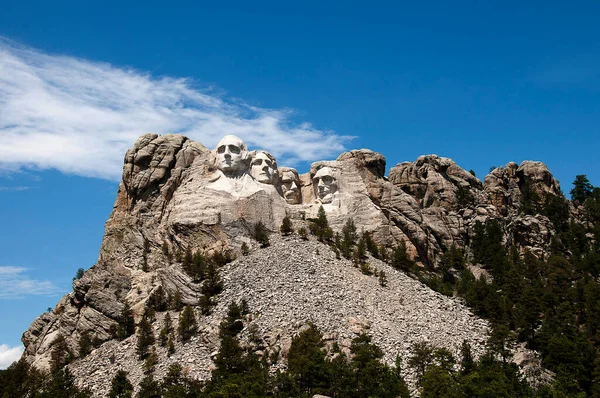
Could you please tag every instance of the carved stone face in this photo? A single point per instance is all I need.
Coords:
(325, 184)
(263, 167)
(231, 155)
(290, 186)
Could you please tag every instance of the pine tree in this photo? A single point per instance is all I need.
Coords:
(306, 358)
(171, 344)
(401, 260)
(149, 388)
(421, 358)
(145, 338)
(120, 386)
(62, 385)
(60, 353)
(286, 226)
(85, 344)
(467, 363)
(187, 323)
(349, 238)
(582, 189)
(126, 323)
(245, 249)
(164, 332)
(373, 377)
(320, 226)
(382, 279)
(175, 302)
(302, 233)
(261, 234)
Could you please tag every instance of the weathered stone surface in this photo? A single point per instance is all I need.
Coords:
(176, 195)
(289, 284)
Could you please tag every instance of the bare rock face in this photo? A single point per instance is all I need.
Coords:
(177, 195)
(289, 284)
(433, 181)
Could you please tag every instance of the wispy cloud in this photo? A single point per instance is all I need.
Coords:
(80, 117)
(13, 189)
(8, 355)
(15, 283)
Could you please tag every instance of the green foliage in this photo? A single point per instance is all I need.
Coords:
(195, 264)
(60, 355)
(261, 234)
(78, 274)
(245, 249)
(453, 260)
(401, 260)
(120, 386)
(359, 254)
(302, 233)
(349, 238)
(149, 388)
(371, 245)
(164, 332)
(62, 385)
(175, 302)
(306, 359)
(366, 269)
(286, 226)
(158, 299)
(383, 281)
(421, 358)
(320, 226)
(126, 323)
(464, 197)
(582, 189)
(212, 286)
(187, 324)
(556, 208)
(530, 199)
(85, 344)
(373, 377)
(145, 338)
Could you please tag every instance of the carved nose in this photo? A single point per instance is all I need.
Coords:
(293, 186)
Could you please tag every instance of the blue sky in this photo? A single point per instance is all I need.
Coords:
(481, 82)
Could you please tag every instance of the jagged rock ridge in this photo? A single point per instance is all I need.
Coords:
(177, 194)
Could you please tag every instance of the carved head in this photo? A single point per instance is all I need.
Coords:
(290, 185)
(325, 184)
(263, 167)
(232, 154)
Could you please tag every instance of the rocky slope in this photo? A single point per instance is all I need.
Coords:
(176, 196)
(289, 284)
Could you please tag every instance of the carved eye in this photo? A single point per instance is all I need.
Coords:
(221, 149)
(234, 149)
(256, 162)
(327, 179)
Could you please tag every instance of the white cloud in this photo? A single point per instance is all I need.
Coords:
(8, 355)
(15, 283)
(80, 117)
(13, 189)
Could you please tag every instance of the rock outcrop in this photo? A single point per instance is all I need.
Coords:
(176, 196)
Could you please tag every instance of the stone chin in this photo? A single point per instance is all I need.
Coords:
(325, 199)
(292, 198)
(264, 178)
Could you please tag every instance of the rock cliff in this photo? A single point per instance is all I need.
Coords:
(178, 196)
